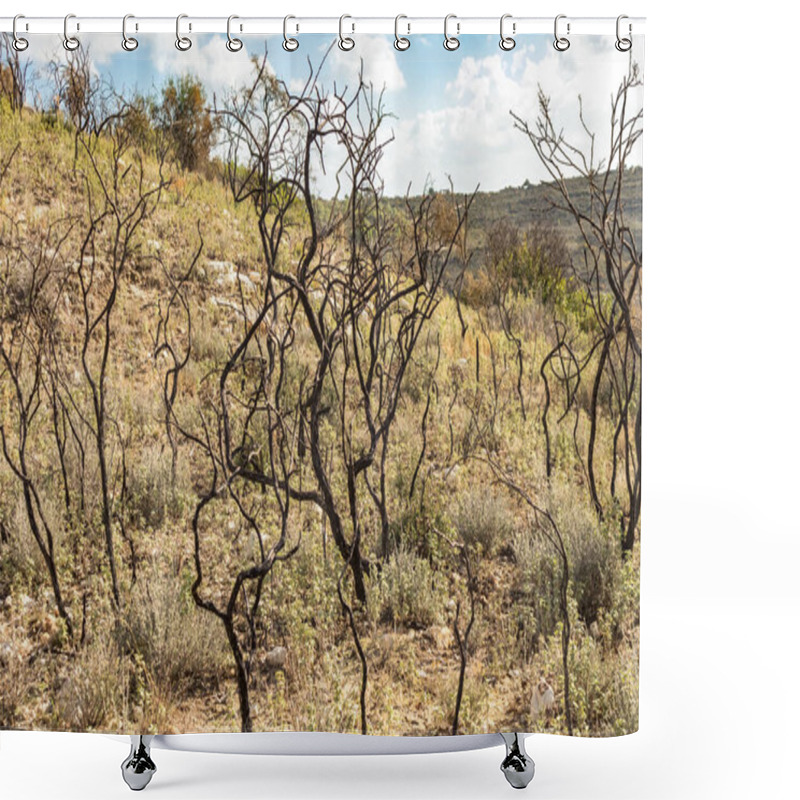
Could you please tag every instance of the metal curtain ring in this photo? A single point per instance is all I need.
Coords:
(233, 44)
(19, 43)
(507, 42)
(400, 42)
(345, 42)
(561, 43)
(623, 44)
(289, 44)
(451, 42)
(129, 43)
(183, 43)
(70, 42)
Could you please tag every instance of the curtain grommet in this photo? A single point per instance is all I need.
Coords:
(401, 43)
(561, 43)
(289, 44)
(129, 43)
(451, 43)
(623, 43)
(233, 44)
(183, 43)
(346, 43)
(71, 43)
(507, 42)
(19, 43)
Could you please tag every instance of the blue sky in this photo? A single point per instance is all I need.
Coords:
(451, 109)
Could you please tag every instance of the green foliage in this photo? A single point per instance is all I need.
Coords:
(537, 587)
(605, 687)
(595, 563)
(137, 122)
(177, 642)
(534, 267)
(184, 117)
(407, 591)
(482, 518)
(414, 528)
(151, 494)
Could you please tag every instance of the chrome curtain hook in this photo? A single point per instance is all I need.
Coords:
(561, 43)
(401, 42)
(129, 43)
(70, 42)
(19, 43)
(451, 42)
(289, 44)
(623, 44)
(183, 43)
(345, 42)
(507, 42)
(233, 44)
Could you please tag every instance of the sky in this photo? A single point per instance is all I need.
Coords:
(450, 109)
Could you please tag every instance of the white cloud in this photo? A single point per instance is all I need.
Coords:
(472, 137)
(217, 68)
(379, 58)
(103, 46)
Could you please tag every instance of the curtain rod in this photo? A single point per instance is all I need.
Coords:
(245, 25)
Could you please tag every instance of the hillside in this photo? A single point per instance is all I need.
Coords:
(531, 203)
(298, 498)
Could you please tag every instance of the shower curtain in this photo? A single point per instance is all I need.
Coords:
(320, 382)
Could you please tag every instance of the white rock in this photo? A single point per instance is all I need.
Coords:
(276, 658)
(6, 653)
(221, 266)
(543, 697)
(441, 636)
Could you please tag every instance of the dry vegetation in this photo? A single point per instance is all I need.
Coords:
(183, 430)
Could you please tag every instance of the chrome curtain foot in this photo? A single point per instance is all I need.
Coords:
(517, 766)
(138, 768)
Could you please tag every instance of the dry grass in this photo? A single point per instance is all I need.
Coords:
(166, 666)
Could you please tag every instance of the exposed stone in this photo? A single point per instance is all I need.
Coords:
(276, 658)
(441, 636)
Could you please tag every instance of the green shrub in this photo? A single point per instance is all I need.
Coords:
(537, 586)
(595, 559)
(151, 495)
(177, 641)
(185, 118)
(483, 518)
(407, 591)
(414, 527)
(604, 687)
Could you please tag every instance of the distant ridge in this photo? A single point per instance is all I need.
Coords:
(532, 202)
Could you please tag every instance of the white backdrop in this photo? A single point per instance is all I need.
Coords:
(720, 597)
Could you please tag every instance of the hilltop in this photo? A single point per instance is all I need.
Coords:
(530, 203)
